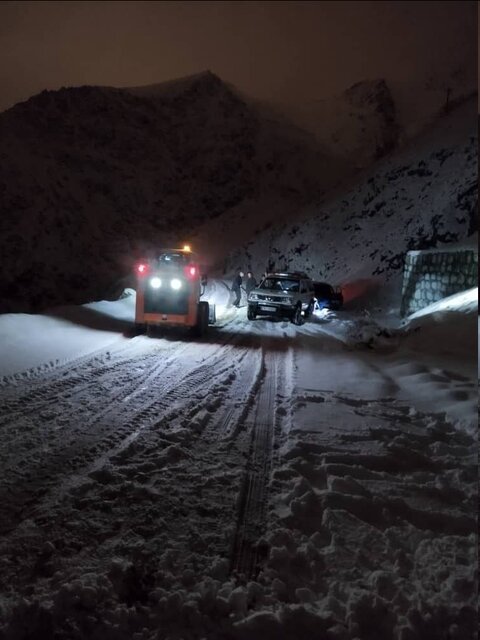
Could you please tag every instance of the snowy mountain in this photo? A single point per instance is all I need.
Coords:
(360, 124)
(375, 114)
(90, 177)
(269, 481)
(356, 236)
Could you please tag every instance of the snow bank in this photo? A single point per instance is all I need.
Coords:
(32, 343)
(447, 328)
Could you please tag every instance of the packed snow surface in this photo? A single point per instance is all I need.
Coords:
(269, 481)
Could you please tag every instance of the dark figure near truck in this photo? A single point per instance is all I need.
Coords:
(250, 282)
(236, 288)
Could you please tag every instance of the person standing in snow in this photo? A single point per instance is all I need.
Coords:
(250, 282)
(236, 287)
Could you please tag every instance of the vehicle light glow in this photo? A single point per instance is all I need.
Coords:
(142, 268)
(155, 283)
(191, 271)
(187, 248)
(176, 284)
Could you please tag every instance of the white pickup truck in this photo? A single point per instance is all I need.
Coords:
(283, 295)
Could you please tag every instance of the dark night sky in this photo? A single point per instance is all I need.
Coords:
(290, 52)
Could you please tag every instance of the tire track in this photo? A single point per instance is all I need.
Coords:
(247, 555)
(241, 395)
(30, 476)
(40, 373)
(196, 409)
(44, 430)
(173, 391)
(75, 376)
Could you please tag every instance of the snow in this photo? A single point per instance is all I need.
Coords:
(271, 481)
(356, 236)
(35, 342)
(464, 302)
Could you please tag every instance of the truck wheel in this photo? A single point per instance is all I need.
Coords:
(298, 319)
(153, 331)
(251, 315)
(202, 319)
(139, 328)
(212, 315)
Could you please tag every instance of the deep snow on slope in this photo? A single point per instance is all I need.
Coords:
(271, 481)
(361, 124)
(350, 116)
(92, 177)
(357, 236)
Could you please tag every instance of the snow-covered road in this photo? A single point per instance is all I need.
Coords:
(270, 481)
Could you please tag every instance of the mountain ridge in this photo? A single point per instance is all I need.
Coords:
(93, 177)
(100, 174)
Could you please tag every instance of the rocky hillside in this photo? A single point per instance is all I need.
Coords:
(357, 236)
(91, 177)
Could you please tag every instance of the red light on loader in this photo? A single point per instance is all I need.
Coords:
(142, 269)
(190, 271)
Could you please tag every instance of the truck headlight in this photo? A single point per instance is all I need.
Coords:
(176, 284)
(155, 283)
(253, 296)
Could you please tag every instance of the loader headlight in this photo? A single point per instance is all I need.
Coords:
(176, 284)
(155, 283)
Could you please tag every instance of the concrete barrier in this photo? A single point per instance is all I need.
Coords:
(435, 274)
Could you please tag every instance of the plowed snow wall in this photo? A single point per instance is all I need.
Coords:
(432, 275)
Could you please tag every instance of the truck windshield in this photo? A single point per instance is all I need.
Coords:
(279, 284)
